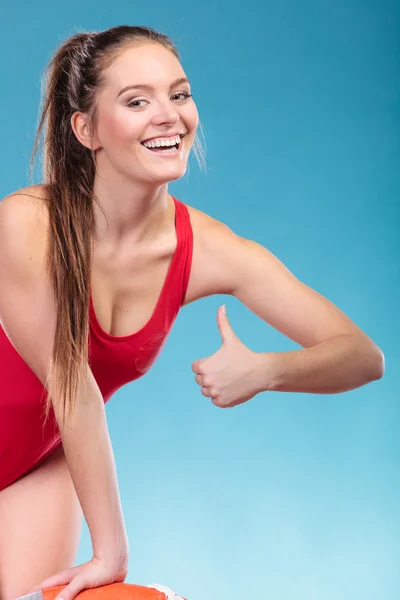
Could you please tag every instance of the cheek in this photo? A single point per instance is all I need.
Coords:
(119, 128)
(191, 120)
(193, 117)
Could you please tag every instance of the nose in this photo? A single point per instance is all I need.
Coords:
(165, 113)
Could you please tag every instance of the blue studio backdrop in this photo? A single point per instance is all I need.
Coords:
(288, 496)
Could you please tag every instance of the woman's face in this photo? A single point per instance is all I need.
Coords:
(145, 97)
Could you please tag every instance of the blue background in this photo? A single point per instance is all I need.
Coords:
(289, 496)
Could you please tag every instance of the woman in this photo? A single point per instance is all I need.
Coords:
(96, 263)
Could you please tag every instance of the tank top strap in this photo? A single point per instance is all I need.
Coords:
(185, 240)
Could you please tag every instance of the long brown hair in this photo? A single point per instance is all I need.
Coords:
(72, 81)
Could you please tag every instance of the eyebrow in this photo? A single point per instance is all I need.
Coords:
(150, 88)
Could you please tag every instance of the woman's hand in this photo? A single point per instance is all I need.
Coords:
(231, 376)
(92, 574)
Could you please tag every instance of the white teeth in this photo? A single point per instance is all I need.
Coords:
(163, 142)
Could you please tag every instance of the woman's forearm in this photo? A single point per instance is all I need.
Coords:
(90, 458)
(337, 365)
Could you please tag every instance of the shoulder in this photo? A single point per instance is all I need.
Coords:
(28, 202)
(227, 263)
(209, 234)
(216, 251)
(31, 201)
(24, 222)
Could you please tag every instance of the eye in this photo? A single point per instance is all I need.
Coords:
(134, 103)
(184, 94)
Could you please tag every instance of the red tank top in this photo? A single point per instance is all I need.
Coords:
(114, 361)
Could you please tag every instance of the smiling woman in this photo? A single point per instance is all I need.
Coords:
(97, 262)
(102, 222)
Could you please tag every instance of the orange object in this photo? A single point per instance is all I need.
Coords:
(113, 591)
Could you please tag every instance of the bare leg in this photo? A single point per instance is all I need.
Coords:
(40, 526)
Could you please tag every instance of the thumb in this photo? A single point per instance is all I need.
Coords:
(224, 326)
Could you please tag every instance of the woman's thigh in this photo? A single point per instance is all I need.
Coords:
(40, 526)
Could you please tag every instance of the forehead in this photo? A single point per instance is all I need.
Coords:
(148, 64)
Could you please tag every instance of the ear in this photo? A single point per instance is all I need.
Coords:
(80, 127)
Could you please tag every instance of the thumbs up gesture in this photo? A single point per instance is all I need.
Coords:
(231, 376)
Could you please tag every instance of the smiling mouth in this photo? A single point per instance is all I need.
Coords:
(172, 149)
(165, 149)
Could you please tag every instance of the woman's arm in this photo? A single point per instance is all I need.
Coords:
(336, 356)
(90, 459)
(28, 317)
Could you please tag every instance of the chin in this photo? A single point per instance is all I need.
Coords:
(173, 175)
(178, 176)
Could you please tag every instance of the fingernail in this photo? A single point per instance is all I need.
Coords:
(223, 309)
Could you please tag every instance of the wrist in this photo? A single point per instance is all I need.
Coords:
(114, 552)
(117, 567)
(266, 371)
(117, 561)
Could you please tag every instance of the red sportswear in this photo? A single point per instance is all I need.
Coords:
(114, 361)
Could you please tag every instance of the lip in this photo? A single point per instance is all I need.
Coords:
(166, 135)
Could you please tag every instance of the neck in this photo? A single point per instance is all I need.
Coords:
(133, 212)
